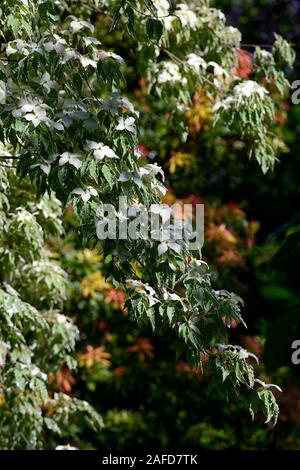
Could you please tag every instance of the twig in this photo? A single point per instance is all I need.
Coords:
(156, 17)
(91, 90)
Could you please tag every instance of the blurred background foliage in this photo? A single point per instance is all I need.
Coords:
(129, 374)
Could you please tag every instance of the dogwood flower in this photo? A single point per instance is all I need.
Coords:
(68, 55)
(66, 447)
(241, 353)
(59, 46)
(248, 88)
(73, 110)
(74, 159)
(100, 150)
(186, 16)
(151, 170)
(88, 40)
(166, 245)
(77, 25)
(36, 372)
(115, 102)
(45, 166)
(169, 72)
(144, 289)
(24, 47)
(163, 210)
(225, 104)
(162, 7)
(3, 352)
(111, 55)
(196, 61)
(127, 124)
(33, 110)
(47, 83)
(266, 386)
(127, 176)
(85, 194)
(217, 69)
(86, 62)
(112, 104)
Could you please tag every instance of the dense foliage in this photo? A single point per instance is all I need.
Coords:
(69, 129)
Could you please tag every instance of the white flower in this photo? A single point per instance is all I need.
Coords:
(163, 210)
(45, 166)
(112, 104)
(61, 319)
(170, 73)
(196, 61)
(125, 103)
(3, 92)
(86, 62)
(36, 372)
(241, 353)
(17, 46)
(232, 30)
(218, 70)
(66, 447)
(100, 150)
(144, 289)
(85, 194)
(34, 47)
(90, 40)
(168, 245)
(233, 34)
(170, 296)
(265, 54)
(264, 385)
(127, 124)
(47, 83)
(111, 55)
(23, 47)
(127, 176)
(71, 158)
(77, 25)
(10, 50)
(115, 102)
(151, 170)
(186, 16)
(68, 55)
(32, 111)
(59, 46)
(225, 104)
(40, 2)
(76, 110)
(3, 352)
(162, 7)
(248, 88)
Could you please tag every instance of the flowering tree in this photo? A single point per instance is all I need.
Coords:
(66, 126)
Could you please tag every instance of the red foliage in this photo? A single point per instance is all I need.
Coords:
(244, 66)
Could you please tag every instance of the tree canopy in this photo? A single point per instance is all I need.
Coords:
(70, 137)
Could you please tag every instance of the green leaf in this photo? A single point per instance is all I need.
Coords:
(130, 25)
(14, 23)
(107, 174)
(154, 29)
(151, 7)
